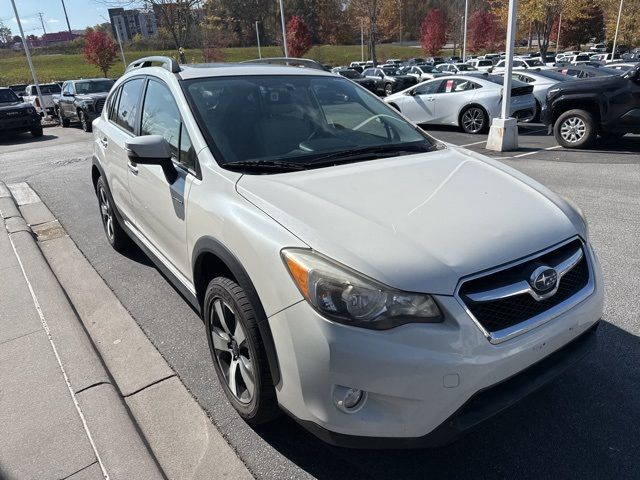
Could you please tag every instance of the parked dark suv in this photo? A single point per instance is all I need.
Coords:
(389, 80)
(82, 101)
(578, 111)
(17, 116)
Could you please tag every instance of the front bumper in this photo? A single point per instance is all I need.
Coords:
(423, 381)
(22, 123)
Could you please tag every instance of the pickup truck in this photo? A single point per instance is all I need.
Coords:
(577, 111)
(17, 116)
(47, 90)
(81, 101)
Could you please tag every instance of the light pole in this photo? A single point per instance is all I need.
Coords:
(258, 38)
(559, 29)
(503, 135)
(28, 54)
(615, 38)
(361, 40)
(66, 16)
(284, 31)
(464, 37)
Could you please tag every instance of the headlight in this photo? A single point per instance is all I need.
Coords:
(581, 214)
(348, 297)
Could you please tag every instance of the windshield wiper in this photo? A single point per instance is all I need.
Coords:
(367, 153)
(264, 165)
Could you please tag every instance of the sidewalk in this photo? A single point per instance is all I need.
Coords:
(83, 393)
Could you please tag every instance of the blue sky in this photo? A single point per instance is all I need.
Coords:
(82, 13)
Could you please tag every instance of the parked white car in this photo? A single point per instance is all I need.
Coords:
(422, 72)
(520, 63)
(467, 101)
(47, 90)
(598, 47)
(382, 288)
(481, 64)
(450, 68)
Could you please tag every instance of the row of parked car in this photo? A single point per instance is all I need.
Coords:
(469, 95)
(78, 101)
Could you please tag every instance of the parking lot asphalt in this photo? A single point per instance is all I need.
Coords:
(583, 425)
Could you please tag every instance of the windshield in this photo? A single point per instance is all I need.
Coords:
(391, 72)
(297, 118)
(535, 63)
(466, 68)
(47, 89)
(349, 73)
(7, 96)
(553, 75)
(97, 86)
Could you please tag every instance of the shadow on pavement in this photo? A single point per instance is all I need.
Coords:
(584, 424)
(24, 138)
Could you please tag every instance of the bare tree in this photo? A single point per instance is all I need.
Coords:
(175, 16)
(369, 10)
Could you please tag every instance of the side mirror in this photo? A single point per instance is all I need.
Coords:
(152, 150)
(411, 92)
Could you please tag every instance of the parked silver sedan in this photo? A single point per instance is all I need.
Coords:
(541, 81)
(468, 101)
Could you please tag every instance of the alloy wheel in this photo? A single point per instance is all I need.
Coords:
(232, 351)
(473, 120)
(106, 213)
(573, 129)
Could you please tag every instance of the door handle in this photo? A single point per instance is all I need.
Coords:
(430, 99)
(132, 168)
(104, 142)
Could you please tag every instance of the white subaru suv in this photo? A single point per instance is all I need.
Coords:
(382, 288)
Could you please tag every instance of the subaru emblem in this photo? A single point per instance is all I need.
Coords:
(543, 279)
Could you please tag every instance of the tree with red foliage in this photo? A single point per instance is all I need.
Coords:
(298, 37)
(100, 49)
(485, 32)
(433, 32)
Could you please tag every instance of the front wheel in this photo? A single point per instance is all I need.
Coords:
(474, 120)
(84, 121)
(36, 132)
(64, 122)
(388, 89)
(237, 351)
(575, 129)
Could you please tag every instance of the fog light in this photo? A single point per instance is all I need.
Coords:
(349, 400)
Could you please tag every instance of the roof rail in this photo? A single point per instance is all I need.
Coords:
(167, 63)
(291, 62)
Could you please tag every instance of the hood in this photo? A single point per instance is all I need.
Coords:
(92, 96)
(14, 105)
(416, 223)
(589, 85)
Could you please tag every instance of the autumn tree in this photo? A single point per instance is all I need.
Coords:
(628, 33)
(485, 32)
(433, 32)
(579, 30)
(298, 37)
(100, 49)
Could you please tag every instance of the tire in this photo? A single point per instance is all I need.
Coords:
(84, 121)
(116, 236)
(388, 89)
(536, 115)
(237, 351)
(36, 132)
(474, 120)
(64, 122)
(575, 129)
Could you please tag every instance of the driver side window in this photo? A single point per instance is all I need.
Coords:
(428, 88)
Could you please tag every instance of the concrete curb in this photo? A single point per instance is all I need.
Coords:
(118, 443)
(183, 439)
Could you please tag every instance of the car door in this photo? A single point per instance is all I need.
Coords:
(420, 106)
(120, 127)
(452, 96)
(158, 202)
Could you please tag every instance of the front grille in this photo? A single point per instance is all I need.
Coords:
(99, 106)
(21, 112)
(496, 315)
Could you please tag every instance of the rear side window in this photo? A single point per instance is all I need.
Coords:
(112, 106)
(128, 104)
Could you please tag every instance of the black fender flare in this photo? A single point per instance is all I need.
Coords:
(211, 245)
(597, 100)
